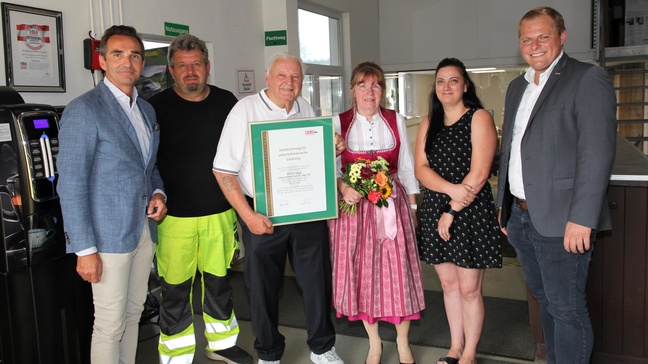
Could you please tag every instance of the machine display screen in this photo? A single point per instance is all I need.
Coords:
(41, 124)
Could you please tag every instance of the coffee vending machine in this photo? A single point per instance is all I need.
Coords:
(44, 305)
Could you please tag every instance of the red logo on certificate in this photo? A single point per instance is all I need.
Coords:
(34, 36)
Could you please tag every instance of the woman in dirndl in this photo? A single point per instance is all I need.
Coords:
(376, 267)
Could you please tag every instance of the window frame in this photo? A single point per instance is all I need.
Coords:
(316, 71)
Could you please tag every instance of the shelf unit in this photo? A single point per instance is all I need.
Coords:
(628, 69)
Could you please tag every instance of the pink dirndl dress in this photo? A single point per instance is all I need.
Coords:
(376, 278)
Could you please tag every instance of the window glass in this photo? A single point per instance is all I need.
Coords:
(391, 91)
(318, 38)
(307, 88)
(319, 48)
(330, 90)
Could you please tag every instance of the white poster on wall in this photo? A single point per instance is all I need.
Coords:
(245, 79)
(636, 22)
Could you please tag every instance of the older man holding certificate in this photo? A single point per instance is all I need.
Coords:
(266, 245)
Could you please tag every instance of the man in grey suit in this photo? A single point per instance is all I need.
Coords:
(558, 145)
(111, 194)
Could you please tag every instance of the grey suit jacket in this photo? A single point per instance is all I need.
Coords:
(105, 184)
(567, 149)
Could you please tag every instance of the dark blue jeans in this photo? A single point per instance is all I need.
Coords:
(557, 278)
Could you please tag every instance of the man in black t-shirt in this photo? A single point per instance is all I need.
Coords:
(199, 231)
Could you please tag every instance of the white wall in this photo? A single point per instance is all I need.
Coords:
(417, 34)
(281, 15)
(235, 29)
(401, 35)
(76, 25)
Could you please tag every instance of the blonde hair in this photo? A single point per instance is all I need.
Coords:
(558, 20)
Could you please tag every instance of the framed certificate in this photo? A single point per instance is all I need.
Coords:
(33, 40)
(293, 164)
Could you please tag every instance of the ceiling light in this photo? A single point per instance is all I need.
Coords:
(489, 71)
(480, 69)
(151, 45)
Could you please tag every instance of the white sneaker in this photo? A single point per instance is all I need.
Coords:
(261, 361)
(329, 357)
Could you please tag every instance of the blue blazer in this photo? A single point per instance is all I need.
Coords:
(105, 184)
(567, 149)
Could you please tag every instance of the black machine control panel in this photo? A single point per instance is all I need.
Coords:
(43, 151)
(40, 133)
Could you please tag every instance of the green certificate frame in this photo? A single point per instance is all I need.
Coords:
(294, 170)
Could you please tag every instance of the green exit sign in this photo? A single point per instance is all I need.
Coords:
(175, 30)
(275, 38)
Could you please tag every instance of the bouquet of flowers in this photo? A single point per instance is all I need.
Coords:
(370, 179)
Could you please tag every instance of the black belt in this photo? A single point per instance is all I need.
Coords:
(522, 204)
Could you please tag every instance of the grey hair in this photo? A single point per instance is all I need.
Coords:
(187, 42)
(283, 56)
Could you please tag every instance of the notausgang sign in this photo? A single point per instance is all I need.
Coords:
(175, 30)
(275, 38)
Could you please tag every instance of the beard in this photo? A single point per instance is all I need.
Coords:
(193, 87)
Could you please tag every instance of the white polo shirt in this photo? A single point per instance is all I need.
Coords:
(233, 154)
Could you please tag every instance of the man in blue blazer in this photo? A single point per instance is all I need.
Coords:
(558, 146)
(111, 194)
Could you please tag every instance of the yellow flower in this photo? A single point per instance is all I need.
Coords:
(385, 191)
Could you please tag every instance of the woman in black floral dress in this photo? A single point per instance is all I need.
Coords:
(458, 229)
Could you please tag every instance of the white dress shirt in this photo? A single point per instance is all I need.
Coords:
(529, 99)
(134, 115)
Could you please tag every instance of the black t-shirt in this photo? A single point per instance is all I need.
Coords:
(189, 134)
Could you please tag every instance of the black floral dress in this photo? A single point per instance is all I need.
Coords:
(474, 235)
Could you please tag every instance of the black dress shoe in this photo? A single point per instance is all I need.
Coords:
(233, 355)
(448, 360)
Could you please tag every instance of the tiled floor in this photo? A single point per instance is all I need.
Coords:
(352, 349)
(507, 282)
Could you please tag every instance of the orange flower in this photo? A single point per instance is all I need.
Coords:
(381, 178)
